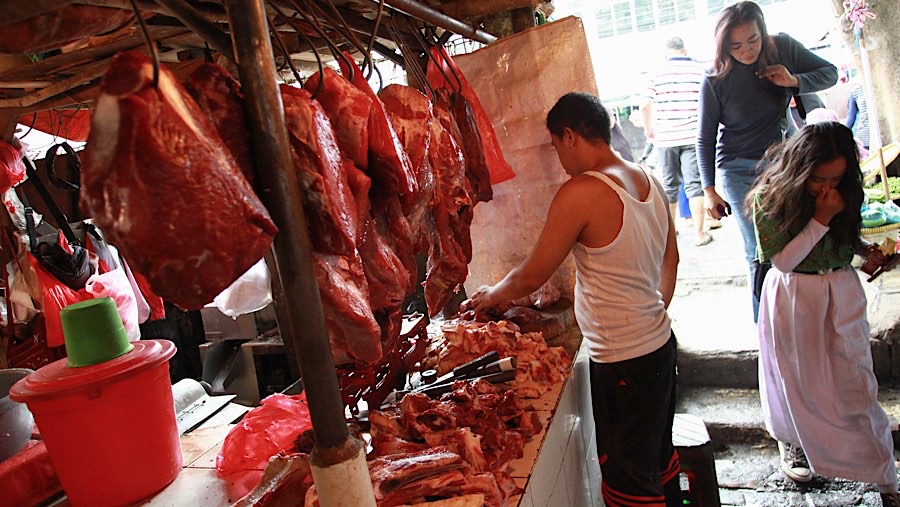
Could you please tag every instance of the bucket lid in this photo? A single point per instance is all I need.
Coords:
(93, 332)
(57, 379)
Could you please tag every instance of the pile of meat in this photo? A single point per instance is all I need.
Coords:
(538, 366)
(460, 444)
(385, 177)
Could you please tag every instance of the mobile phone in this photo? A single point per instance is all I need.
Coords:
(724, 209)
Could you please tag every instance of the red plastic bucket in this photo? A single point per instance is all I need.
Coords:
(109, 428)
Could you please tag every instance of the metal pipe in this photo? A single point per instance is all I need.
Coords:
(197, 22)
(439, 19)
(279, 189)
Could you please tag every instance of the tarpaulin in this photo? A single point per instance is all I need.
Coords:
(518, 79)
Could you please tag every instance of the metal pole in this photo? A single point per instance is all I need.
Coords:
(338, 461)
(280, 191)
(439, 19)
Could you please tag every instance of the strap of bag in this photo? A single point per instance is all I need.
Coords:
(61, 221)
(74, 164)
(801, 109)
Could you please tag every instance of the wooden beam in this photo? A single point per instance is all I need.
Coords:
(19, 10)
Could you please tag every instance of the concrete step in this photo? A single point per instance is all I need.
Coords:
(734, 415)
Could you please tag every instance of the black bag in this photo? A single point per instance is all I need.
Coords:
(74, 269)
(759, 276)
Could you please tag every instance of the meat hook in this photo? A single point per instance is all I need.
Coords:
(151, 44)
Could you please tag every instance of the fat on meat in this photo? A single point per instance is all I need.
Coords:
(159, 182)
(58, 27)
(348, 108)
(389, 162)
(219, 96)
(328, 200)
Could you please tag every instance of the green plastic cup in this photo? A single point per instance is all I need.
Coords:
(93, 332)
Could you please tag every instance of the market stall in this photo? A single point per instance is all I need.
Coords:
(200, 160)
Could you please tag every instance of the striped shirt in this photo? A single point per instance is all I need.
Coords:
(675, 92)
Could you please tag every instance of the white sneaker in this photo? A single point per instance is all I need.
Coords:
(794, 463)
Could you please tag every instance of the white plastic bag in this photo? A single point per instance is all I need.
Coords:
(251, 292)
(115, 285)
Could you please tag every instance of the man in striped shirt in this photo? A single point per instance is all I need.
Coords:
(669, 110)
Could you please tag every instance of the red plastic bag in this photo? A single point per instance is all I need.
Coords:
(12, 169)
(56, 296)
(262, 433)
(497, 165)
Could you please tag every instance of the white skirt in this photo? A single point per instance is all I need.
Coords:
(816, 381)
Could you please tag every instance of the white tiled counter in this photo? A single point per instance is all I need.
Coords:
(560, 465)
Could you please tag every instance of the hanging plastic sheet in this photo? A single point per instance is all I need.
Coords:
(518, 79)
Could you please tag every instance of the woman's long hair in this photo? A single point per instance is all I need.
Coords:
(783, 197)
(729, 18)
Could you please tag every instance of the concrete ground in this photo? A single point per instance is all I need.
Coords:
(718, 348)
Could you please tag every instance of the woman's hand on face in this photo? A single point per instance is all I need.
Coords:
(828, 204)
(779, 75)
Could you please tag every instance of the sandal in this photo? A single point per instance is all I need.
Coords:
(714, 224)
(707, 239)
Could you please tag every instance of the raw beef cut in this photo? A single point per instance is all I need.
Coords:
(389, 163)
(493, 154)
(159, 182)
(330, 210)
(219, 96)
(447, 265)
(62, 26)
(411, 114)
(352, 330)
(477, 173)
(348, 109)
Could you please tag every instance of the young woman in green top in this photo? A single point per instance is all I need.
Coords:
(818, 389)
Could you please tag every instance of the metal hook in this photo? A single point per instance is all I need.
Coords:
(314, 23)
(282, 46)
(446, 58)
(378, 17)
(408, 55)
(151, 44)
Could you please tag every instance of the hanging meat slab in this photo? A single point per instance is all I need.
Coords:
(477, 173)
(353, 332)
(389, 162)
(158, 180)
(219, 96)
(447, 265)
(411, 114)
(330, 209)
(348, 109)
(62, 26)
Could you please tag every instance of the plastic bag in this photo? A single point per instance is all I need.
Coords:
(251, 292)
(114, 284)
(12, 169)
(497, 165)
(54, 297)
(271, 427)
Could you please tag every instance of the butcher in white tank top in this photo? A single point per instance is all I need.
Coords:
(617, 300)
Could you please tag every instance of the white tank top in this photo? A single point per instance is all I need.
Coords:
(617, 300)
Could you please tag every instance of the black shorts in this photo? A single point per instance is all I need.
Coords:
(634, 406)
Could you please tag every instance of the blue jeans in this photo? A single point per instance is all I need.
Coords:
(737, 177)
